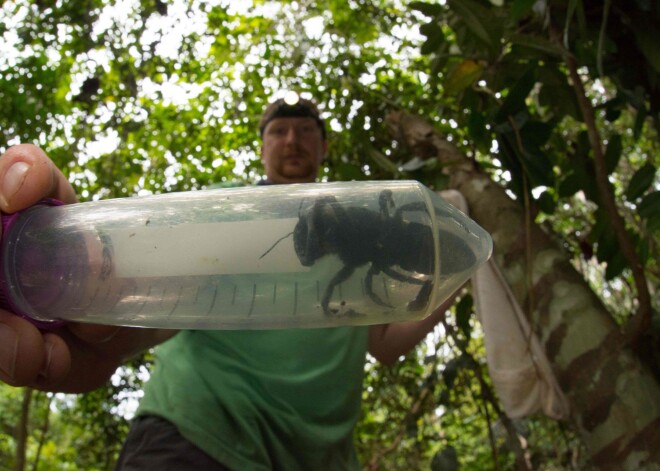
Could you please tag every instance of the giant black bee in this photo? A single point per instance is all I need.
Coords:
(384, 239)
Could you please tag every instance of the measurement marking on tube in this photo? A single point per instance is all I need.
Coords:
(93, 298)
(295, 298)
(387, 293)
(254, 295)
(176, 303)
(134, 292)
(120, 296)
(215, 294)
(111, 297)
(107, 294)
(145, 300)
(233, 296)
(117, 300)
(160, 298)
(81, 298)
(274, 293)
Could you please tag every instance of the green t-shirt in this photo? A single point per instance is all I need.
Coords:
(263, 400)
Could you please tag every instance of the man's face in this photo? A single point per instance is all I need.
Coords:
(292, 150)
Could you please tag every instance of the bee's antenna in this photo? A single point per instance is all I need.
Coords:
(302, 200)
(273, 246)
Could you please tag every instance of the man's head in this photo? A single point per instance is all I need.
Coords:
(293, 140)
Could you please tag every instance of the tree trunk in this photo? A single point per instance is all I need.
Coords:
(614, 398)
(22, 430)
(44, 433)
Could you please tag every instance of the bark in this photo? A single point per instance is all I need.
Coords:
(614, 398)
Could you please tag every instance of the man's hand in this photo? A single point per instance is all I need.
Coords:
(74, 358)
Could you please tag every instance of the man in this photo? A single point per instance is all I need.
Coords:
(294, 141)
(242, 400)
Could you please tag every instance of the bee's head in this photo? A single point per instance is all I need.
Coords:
(306, 243)
(315, 233)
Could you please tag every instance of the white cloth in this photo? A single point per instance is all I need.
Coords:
(518, 366)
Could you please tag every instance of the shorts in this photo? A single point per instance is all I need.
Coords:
(154, 443)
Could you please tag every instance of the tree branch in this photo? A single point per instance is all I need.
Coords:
(642, 319)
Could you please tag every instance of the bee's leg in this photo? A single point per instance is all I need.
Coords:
(341, 276)
(417, 206)
(368, 286)
(422, 298)
(401, 277)
(385, 201)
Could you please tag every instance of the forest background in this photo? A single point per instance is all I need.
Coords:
(544, 113)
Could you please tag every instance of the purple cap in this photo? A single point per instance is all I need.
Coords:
(6, 300)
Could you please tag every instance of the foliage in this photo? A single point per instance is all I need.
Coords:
(152, 97)
(82, 432)
(506, 81)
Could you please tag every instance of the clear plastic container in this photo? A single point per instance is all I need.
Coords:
(275, 256)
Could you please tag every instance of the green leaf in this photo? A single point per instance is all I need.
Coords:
(538, 168)
(445, 460)
(602, 223)
(450, 372)
(428, 9)
(643, 250)
(466, 10)
(613, 153)
(609, 252)
(615, 266)
(538, 43)
(557, 94)
(440, 181)
(464, 310)
(520, 8)
(444, 398)
(479, 135)
(650, 205)
(639, 121)
(547, 202)
(434, 37)
(569, 185)
(382, 161)
(515, 99)
(653, 223)
(612, 113)
(349, 172)
(647, 40)
(608, 246)
(572, 5)
(413, 164)
(640, 182)
(462, 76)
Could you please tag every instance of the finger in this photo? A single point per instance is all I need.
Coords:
(28, 175)
(57, 363)
(22, 350)
(92, 333)
(91, 363)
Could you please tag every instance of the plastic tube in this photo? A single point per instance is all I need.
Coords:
(274, 256)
